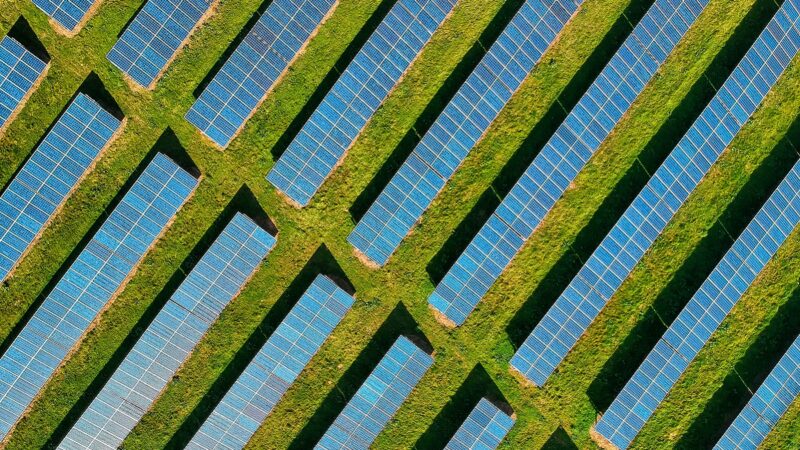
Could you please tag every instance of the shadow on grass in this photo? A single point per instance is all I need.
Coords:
(637, 175)
(94, 88)
(399, 322)
(535, 141)
(433, 109)
(559, 440)
(749, 372)
(178, 153)
(477, 385)
(321, 262)
(330, 79)
(22, 32)
(691, 274)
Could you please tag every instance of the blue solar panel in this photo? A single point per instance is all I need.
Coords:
(564, 155)
(167, 342)
(704, 313)
(154, 36)
(354, 98)
(648, 215)
(484, 429)
(93, 279)
(276, 366)
(244, 80)
(47, 178)
(768, 405)
(67, 13)
(379, 398)
(459, 127)
(19, 72)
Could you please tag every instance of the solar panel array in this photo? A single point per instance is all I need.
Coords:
(19, 71)
(91, 281)
(767, 406)
(484, 429)
(166, 343)
(356, 95)
(704, 313)
(258, 61)
(67, 13)
(459, 127)
(379, 398)
(648, 215)
(154, 36)
(276, 366)
(54, 169)
(564, 155)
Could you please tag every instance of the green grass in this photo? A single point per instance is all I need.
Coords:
(484, 340)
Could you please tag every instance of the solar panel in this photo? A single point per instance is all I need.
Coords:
(564, 155)
(767, 406)
(155, 35)
(648, 215)
(484, 429)
(276, 366)
(459, 127)
(254, 67)
(379, 398)
(20, 70)
(92, 280)
(704, 313)
(167, 342)
(356, 95)
(69, 14)
(54, 169)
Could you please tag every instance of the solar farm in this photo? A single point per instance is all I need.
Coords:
(400, 224)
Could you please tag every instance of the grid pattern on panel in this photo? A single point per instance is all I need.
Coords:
(254, 67)
(89, 284)
(356, 95)
(50, 174)
(169, 339)
(564, 155)
(484, 429)
(459, 127)
(67, 13)
(662, 196)
(276, 366)
(154, 37)
(709, 306)
(767, 406)
(19, 71)
(379, 398)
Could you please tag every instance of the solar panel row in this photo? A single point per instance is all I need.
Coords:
(276, 366)
(356, 95)
(564, 155)
(484, 429)
(257, 63)
(459, 127)
(54, 169)
(92, 280)
(648, 215)
(69, 14)
(767, 406)
(154, 37)
(20, 70)
(704, 313)
(379, 398)
(166, 343)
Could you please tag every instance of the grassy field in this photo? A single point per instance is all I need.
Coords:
(473, 360)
